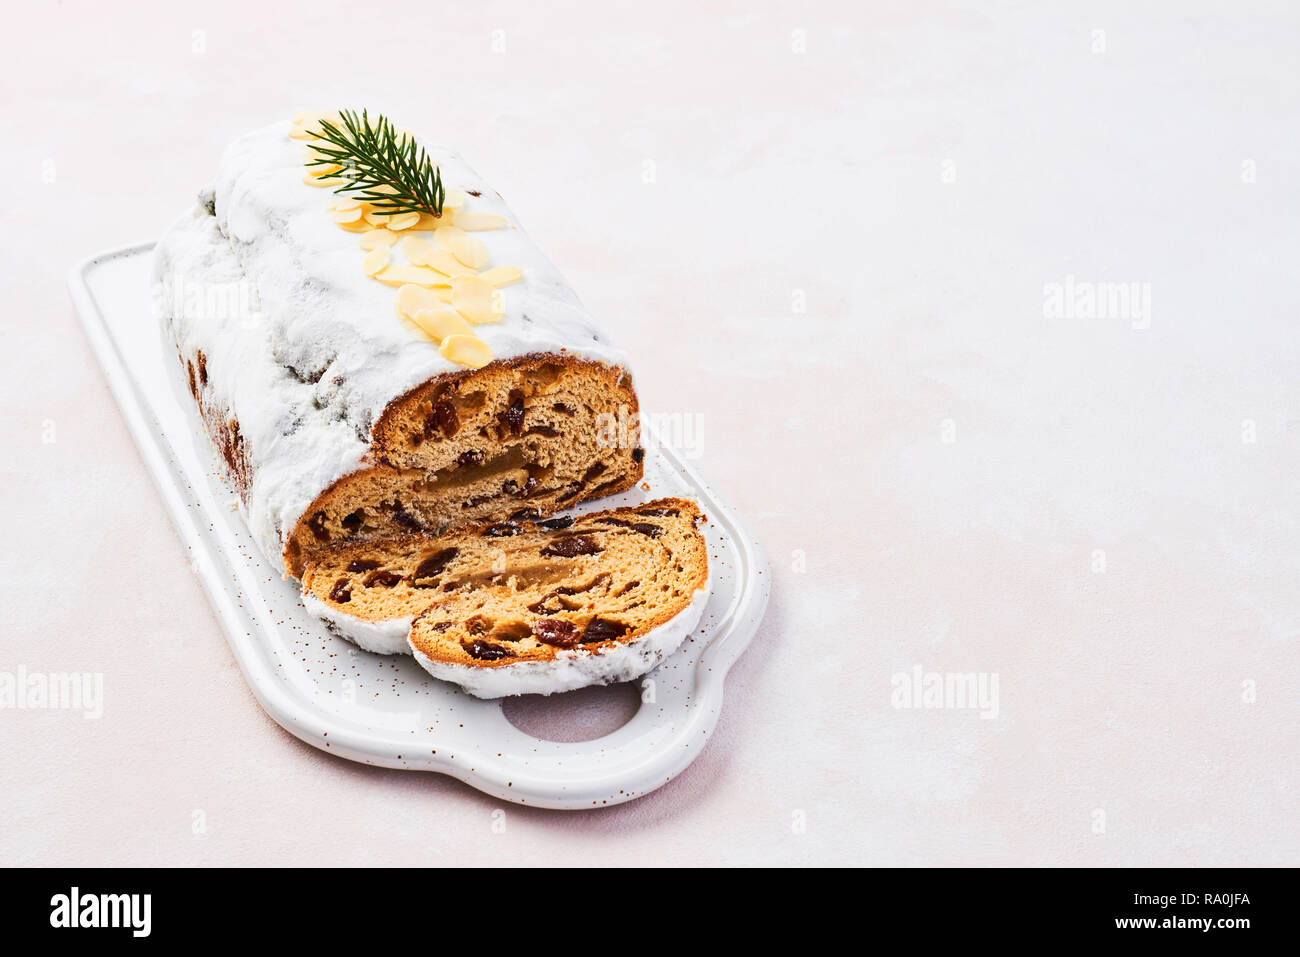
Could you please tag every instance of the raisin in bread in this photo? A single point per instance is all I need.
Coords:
(336, 419)
(527, 606)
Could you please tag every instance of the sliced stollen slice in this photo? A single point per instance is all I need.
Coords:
(526, 607)
(604, 600)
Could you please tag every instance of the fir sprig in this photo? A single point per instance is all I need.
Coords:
(385, 166)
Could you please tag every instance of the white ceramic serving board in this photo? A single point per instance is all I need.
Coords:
(385, 710)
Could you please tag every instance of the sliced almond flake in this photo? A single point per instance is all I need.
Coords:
(447, 264)
(429, 221)
(346, 215)
(418, 275)
(375, 238)
(412, 299)
(502, 275)
(474, 222)
(478, 301)
(360, 226)
(417, 250)
(466, 350)
(453, 199)
(376, 260)
(347, 202)
(311, 125)
(469, 250)
(301, 133)
(403, 221)
(443, 235)
(384, 189)
(375, 218)
(302, 116)
(440, 322)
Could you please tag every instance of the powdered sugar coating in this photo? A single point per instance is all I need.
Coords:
(308, 370)
(570, 670)
(386, 637)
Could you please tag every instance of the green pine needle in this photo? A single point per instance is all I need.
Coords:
(387, 168)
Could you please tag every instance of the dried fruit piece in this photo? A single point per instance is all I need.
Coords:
(384, 579)
(318, 529)
(341, 592)
(466, 350)
(487, 651)
(569, 491)
(442, 420)
(556, 524)
(645, 528)
(402, 517)
(502, 275)
(572, 546)
(556, 632)
(436, 563)
(476, 300)
(513, 416)
(599, 629)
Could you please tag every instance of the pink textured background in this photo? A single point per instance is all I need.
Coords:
(917, 175)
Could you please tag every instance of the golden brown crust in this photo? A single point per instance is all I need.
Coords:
(223, 428)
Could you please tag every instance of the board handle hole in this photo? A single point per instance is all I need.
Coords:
(582, 715)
